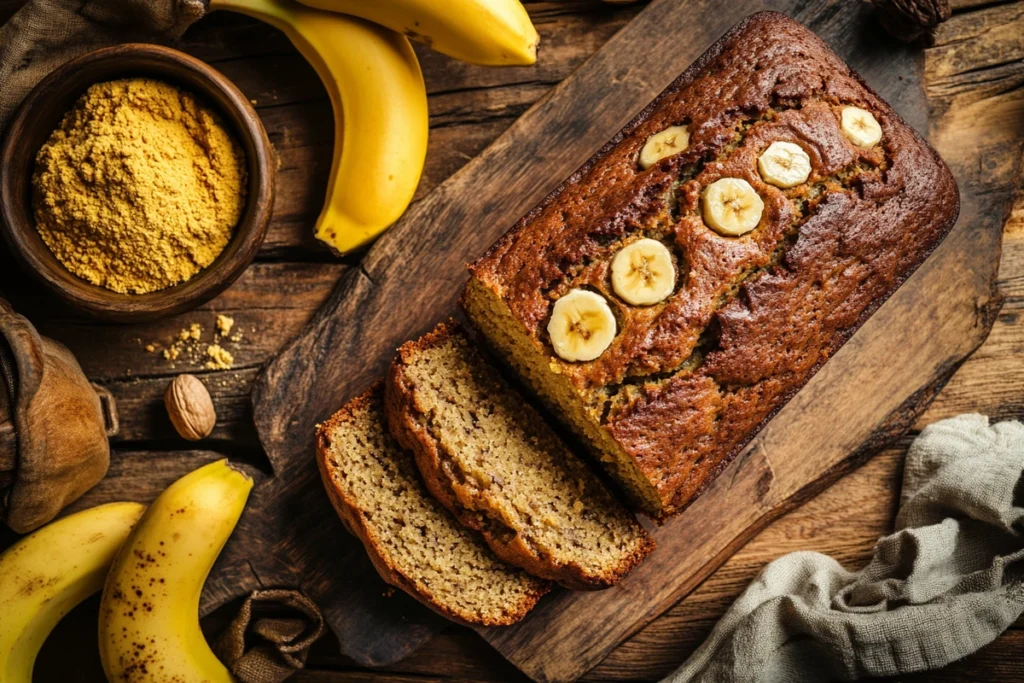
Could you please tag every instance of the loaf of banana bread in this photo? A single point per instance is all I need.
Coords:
(680, 287)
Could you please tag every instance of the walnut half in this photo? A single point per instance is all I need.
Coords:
(190, 407)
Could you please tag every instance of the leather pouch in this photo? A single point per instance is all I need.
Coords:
(54, 426)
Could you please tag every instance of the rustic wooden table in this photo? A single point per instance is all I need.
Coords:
(978, 57)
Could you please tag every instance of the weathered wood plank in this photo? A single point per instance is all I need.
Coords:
(312, 676)
(142, 475)
(792, 456)
(140, 402)
(269, 304)
(465, 132)
(534, 155)
(972, 49)
(823, 524)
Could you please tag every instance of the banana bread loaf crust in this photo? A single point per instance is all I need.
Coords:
(490, 458)
(414, 543)
(687, 382)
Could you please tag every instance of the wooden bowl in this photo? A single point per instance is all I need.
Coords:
(41, 113)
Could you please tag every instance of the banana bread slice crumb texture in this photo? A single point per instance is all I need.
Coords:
(414, 543)
(492, 460)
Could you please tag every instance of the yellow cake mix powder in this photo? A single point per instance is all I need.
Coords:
(139, 188)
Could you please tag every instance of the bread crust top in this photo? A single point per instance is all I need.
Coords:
(687, 382)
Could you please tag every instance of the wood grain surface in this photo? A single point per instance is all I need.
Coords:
(976, 64)
(413, 275)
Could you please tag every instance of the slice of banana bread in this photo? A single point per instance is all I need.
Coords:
(414, 543)
(678, 289)
(494, 462)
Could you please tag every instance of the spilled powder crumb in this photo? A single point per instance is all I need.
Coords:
(193, 331)
(220, 358)
(224, 324)
(185, 341)
(188, 345)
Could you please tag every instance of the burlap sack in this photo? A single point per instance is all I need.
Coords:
(280, 627)
(45, 34)
(54, 426)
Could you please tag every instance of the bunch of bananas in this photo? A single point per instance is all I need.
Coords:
(151, 564)
(361, 52)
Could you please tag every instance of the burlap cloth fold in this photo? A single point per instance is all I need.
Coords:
(44, 34)
(944, 584)
(269, 638)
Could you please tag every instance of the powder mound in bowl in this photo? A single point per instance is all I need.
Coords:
(139, 188)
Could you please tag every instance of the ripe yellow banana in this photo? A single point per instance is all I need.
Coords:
(149, 615)
(44, 575)
(380, 112)
(489, 32)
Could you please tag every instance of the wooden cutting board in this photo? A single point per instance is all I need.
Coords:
(865, 396)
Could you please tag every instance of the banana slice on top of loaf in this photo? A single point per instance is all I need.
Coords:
(490, 458)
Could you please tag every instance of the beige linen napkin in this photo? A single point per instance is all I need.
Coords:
(946, 583)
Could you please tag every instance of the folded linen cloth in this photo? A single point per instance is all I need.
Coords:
(45, 34)
(945, 583)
